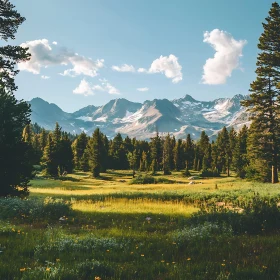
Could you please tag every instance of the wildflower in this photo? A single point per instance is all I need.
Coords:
(48, 269)
(264, 267)
(13, 229)
(173, 262)
(148, 218)
(131, 253)
(22, 269)
(142, 255)
(57, 260)
(174, 243)
(188, 259)
(97, 278)
(223, 264)
(108, 251)
(162, 261)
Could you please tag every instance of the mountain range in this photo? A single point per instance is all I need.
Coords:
(141, 120)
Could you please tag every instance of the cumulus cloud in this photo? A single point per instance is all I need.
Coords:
(124, 68)
(54, 43)
(83, 88)
(45, 77)
(43, 55)
(86, 89)
(225, 60)
(168, 65)
(143, 89)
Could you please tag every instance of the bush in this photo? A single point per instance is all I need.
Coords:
(35, 209)
(146, 179)
(259, 215)
(209, 173)
(200, 232)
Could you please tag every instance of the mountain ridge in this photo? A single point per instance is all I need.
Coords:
(141, 120)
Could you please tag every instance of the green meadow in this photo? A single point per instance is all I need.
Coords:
(114, 227)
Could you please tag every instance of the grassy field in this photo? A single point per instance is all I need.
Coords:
(109, 228)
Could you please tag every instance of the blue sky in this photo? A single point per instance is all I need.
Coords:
(81, 49)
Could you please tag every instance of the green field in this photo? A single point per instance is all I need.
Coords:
(109, 228)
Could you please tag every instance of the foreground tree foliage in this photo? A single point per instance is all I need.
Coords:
(264, 103)
(15, 165)
(10, 20)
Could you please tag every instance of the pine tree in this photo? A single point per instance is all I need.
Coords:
(43, 139)
(84, 163)
(189, 152)
(132, 159)
(10, 55)
(37, 152)
(27, 134)
(49, 158)
(94, 151)
(79, 146)
(118, 154)
(178, 155)
(240, 160)
(66, 155)
(167, 155)
(156, 152)
(263, 102)
(144, 162)
(16, 167)
(223, 151)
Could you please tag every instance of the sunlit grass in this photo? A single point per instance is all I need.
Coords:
(135, 206)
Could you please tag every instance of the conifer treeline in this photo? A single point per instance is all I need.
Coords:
(60, 152)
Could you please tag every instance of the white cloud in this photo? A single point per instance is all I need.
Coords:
(45, 77)
(86, 88)
(54, 43)
(168, 65)
(83, 88)
(143, 89)
(124, 68)
(42, 55)
(226, 58)
(142, 70)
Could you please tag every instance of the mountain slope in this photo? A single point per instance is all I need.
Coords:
(178, 117)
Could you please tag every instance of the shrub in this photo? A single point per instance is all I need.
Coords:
(200, 232)
(35, 209)
(146, 179)
(209, 173)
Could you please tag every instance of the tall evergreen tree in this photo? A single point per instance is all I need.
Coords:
(16, 167)
(189, 152)
(94, 151)
(223, 151)
(167, 155)
(43, 139)
(156, 152)
(264, 99)
(178, 155)
(240, 160)
(49, 158)
(79, 147)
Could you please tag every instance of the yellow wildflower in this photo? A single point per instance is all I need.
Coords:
(22, 269)
(48, 269)
(188, 259)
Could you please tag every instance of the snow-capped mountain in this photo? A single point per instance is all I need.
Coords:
(178, 117)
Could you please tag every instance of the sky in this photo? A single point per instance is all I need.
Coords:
(91, 51)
